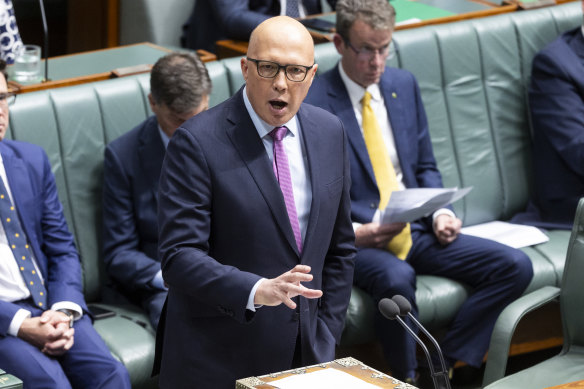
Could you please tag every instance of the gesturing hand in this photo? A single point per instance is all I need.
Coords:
(281, 289)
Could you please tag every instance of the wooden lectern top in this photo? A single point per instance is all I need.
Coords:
(348, 365)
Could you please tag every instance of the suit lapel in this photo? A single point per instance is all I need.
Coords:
(151, 154)
(245, 139)
(340, 105)
(395, 114)
(22, 196)
(311, 142)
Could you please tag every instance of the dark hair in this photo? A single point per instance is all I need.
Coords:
(378, 14)
(179, 81)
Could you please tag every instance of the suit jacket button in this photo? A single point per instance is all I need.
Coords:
(373, 205)
(295, 316)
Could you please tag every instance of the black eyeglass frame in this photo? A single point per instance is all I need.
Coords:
(285, 67)
(372, 52)
(7, 98)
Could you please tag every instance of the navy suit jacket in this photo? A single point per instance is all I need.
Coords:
(41, 215)
(213, 20)
(556, 99)
(130, 200)
(410, 130)
(223, 226)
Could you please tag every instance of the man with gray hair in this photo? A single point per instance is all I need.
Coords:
(390, 150)
(179, 89)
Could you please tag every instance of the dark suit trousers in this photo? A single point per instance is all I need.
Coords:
(497, 274)
(88, 364)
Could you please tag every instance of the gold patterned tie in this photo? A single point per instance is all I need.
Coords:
(384, 174)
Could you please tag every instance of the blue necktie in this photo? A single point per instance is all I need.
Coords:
(292, 8)
(21, 249)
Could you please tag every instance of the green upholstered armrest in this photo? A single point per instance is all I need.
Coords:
(505, 327)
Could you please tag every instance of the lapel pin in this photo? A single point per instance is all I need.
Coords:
(394, 95)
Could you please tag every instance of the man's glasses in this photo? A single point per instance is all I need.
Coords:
(269, 69)
(368, 53)
(7, 98)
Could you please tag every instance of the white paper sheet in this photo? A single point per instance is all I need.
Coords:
(412, 204)
(514, 235)
(330, 378)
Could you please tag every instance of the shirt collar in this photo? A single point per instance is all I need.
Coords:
(261, 126)
(356, 91)
(164, 137)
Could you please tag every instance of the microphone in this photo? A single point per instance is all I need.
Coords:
(405, 308)
(46, 39)
(391, 311)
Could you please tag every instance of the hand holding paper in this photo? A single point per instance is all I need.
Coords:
(409, 205)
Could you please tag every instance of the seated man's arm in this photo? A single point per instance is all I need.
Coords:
(125, 263)
(236, 18)
(557, 108)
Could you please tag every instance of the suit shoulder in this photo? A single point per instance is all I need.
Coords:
(320, 115)
(24, 150)
(128, 141)
(556, 49)
(400, 75)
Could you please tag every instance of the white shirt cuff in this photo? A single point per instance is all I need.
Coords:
(77, 311)
(17, 320)
(250, 305)
(376, 219)
(158, 281)
(442, 211)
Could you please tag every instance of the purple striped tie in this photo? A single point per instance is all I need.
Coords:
(282, 172)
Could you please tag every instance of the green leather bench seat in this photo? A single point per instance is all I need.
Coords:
(473, 77)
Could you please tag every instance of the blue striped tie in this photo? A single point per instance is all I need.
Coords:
(21, 249)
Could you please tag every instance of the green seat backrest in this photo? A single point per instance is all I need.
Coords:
(74, 125)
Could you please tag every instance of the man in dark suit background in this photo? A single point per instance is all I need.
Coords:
(213, 20)
(46, 334)
(556, 101)
(390, 149)
(255, 232)
(179, 89)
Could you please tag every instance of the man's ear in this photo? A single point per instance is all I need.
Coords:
(244, 67)
(339, 43)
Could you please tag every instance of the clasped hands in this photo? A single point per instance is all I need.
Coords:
(282, 289)
(49, 332)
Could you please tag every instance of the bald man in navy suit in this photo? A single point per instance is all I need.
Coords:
(256, 239)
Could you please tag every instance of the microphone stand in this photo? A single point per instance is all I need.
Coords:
(46, 39)
(444, 372)
(432, 372)
(405, 308)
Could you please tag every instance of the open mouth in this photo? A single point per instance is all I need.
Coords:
(277, 104)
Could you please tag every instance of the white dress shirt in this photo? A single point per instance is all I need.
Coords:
(298, 169)
(12, 284)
